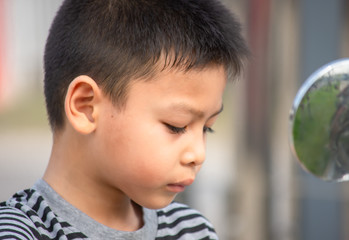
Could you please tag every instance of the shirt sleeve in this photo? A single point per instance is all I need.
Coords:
(14, 224)
(179, 222)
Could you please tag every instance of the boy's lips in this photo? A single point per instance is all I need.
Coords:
(179, 186)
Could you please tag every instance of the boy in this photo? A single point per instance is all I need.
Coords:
(131, 87)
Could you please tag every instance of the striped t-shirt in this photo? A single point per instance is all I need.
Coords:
(40, 213)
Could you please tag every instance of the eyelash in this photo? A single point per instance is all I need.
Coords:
(208, 130)
(178, 130)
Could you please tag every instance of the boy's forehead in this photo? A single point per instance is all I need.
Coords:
(184, 107)
(193, 91)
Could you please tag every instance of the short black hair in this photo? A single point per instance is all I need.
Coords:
(114, 41)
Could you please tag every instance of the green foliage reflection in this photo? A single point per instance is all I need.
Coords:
(311, 127)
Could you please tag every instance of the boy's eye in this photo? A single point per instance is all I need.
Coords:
(176, 130)
(208, 130)
(179, 130)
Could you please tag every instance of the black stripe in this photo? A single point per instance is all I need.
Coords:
(37, 204)
(49, 228)
(17, 196)
(12, 213)
(9, 231)
(29, 193)
(10, 237)
(36, 233)
(178, 220)
(31, 213)
(47, 210)
(172, 211)
(65, 224)
(185, 231)
(18, 206)
(205, 238)
(76, 235)
(16, 226)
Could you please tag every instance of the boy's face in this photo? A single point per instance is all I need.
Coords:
(155, 146)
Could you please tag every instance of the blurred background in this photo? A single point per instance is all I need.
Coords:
(251, 187)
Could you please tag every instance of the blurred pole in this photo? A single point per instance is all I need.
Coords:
(273, 40)
(257, 109)
(345, 30)
(254, 184)
(321, 209)
(283, 76)
(344, 52)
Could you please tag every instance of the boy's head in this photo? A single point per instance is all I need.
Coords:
(118, 41)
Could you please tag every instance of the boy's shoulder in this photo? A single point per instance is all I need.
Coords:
(27, 216)
(178, 220)
(15, 224)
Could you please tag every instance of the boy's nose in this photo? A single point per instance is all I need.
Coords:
(195, 153)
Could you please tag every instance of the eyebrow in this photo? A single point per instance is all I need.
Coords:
(186, 108)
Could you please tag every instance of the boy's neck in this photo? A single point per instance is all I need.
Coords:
(68, 176)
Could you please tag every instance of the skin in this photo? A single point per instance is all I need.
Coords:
(108, 162)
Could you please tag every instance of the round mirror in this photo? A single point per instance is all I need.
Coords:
(319, 122)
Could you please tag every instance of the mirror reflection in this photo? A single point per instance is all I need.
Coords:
(319, 122)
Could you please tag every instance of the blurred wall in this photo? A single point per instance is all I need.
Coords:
(25, 138)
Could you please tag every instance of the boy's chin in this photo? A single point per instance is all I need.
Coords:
(156, 204)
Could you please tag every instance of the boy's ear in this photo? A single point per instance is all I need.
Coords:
(81, 102)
